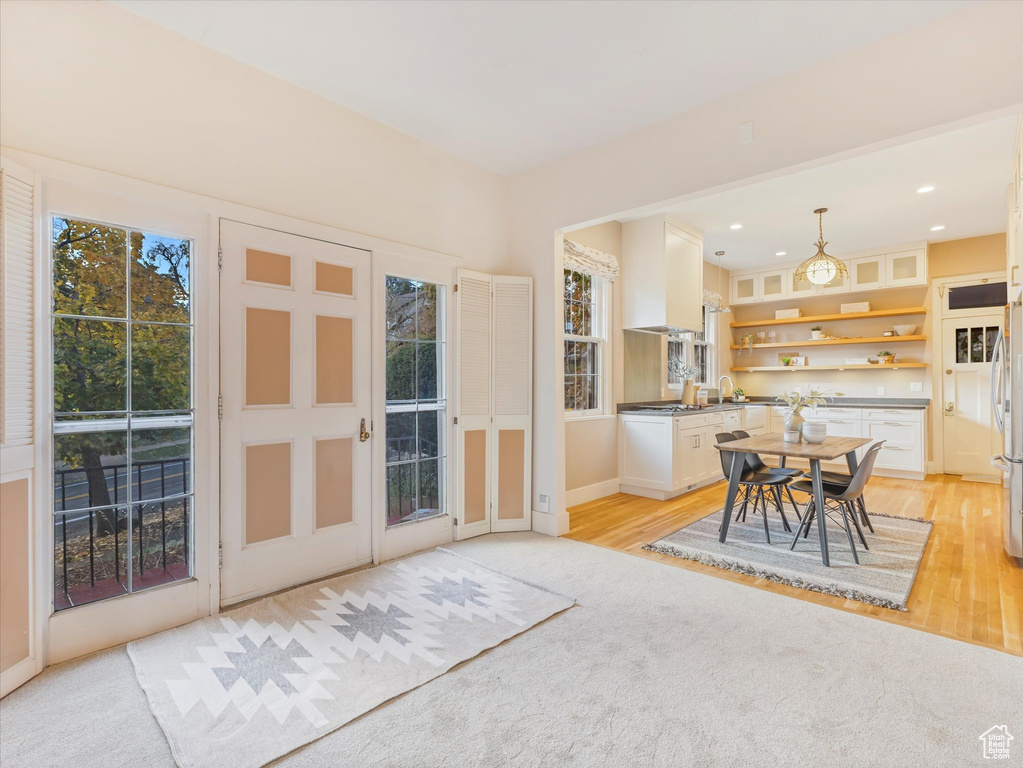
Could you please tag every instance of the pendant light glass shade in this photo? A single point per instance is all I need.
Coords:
(716, 304)
(820, 269)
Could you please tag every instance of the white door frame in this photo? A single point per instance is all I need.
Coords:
(938, 313)
(401, 540)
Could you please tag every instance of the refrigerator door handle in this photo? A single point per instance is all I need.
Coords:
(999, 463)
(998, 380)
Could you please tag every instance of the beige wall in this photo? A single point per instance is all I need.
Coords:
(591, 445)
(970, 255)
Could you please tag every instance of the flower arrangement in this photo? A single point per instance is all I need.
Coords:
(796, 402)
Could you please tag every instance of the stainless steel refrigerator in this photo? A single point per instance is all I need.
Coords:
(1007, 401)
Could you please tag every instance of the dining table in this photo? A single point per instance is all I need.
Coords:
(775, 444)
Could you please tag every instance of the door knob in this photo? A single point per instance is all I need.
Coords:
(949, 407)
(948, 370)
(363, 434)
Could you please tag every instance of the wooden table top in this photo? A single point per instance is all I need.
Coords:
(774, 444)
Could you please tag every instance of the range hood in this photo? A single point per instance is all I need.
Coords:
(662, 276)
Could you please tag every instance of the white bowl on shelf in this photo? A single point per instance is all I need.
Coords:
(904, 330)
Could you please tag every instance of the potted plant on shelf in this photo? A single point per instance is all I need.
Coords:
(817, 333)
(795, 403)
(785, 360)
(885, 358)
(739, 395)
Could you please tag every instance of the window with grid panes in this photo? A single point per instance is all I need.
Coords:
(585, 343)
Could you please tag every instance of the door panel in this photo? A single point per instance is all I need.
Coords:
(296, 384)
(970, 436)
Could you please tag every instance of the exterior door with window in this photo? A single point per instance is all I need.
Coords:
(295, 370)
(130, 488)
(970, 437)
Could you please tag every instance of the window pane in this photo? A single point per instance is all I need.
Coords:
(159, 543)
(160, 462)
(88, 269)
(585, 327)
(401, 308)
(90, 556)
(588, 363)
(570, 358)
(431, 427)
(401, 485)
(976, 345)
(401, 371)
(401, 436)
(89, 365)
(990, 337)
(89, 470)
(426, 312)
(429, 488)
(427, 368)
(570, 390)
(582, 393)
(159, 278)
(593, 392)
(962, 345)
(160, 367)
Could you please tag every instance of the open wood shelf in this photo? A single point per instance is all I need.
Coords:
(882, 340)
(875, 367)
(832, 318)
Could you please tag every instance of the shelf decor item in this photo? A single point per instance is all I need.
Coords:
(817, 333)
(785, 359)
(739, 395)
(787, 314)
(820, 269)
(888, 334)
(686, 374)
(904, 329)
(798, 360)
(885, 358)
(792, 436)
(855, 307)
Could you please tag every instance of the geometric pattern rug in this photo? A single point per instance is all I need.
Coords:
(884, 576)
(252, 684)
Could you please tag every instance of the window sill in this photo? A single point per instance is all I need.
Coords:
(590, 417)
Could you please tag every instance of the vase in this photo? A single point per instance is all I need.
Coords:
(815, 432)
(689, 393)
(794, 423)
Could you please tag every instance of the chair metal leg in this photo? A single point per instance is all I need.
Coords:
(848, 533)
(852, 513)
(780, 505)
(804, 522)
(792, 500)
(763, 506)
(863, 512)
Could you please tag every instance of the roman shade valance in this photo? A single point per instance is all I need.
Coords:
(590, 261)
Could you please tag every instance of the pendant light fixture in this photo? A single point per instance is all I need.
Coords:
(717, 304)
(820, 269)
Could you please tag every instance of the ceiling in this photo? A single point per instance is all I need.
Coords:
(872, 200)
(510, 85)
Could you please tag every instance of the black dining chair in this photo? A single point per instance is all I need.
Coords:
(844, 478)
(752, 485)
(757, 464)
(843, 498)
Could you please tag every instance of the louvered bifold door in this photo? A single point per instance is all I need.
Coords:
(511, 430)
(473, 308)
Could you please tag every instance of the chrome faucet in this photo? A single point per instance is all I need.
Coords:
(721, 397)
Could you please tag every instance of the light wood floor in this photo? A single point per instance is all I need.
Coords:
(967, 588)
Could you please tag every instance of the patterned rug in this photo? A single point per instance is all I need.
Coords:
(884, 576)
(254, 683)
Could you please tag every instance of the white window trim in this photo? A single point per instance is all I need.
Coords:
(604, 352)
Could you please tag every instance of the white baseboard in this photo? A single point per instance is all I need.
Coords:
(550, 524)
(591, 492)
(17, 674)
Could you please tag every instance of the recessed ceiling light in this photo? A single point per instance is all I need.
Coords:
(736, 226)
(938, 228)
(924, 190)
(780, 253)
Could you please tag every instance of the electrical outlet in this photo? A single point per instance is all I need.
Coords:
(916, 386)
(545, 503)
(746, 132)
(880, 391)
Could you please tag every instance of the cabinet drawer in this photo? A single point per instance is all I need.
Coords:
(839, 413)
(905, 432)
(914, 415)
(904, 457)
(689, 422)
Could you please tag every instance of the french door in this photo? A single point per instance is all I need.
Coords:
(296, 388)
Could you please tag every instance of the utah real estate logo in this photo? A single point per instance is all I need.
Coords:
(996, 742)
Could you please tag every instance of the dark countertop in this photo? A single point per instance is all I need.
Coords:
(838, 402)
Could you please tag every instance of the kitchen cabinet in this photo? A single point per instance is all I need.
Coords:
(840, 284)
(798, 288)
(772, 285)
(693, 446)
(662, 279)
(905, 268)
(867, 273)
(744, 289)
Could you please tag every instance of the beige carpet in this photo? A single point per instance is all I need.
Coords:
(656, 665)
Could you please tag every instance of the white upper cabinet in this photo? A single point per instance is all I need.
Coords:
(744, 289)
(798, 289)
(905, 268)
(867, 273)
(662, 276)
(772, 285)
(839, 285)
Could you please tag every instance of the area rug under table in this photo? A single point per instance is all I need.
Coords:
(884, 576)
(257, 682)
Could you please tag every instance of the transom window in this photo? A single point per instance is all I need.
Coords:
(585, 343)
(693, 350)
(123, 412)
(416, 403)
